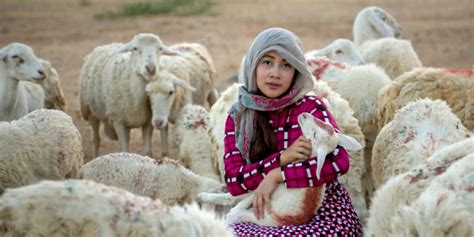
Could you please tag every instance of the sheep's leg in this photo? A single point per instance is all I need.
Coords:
(147, 133)
(123, 134)
(164, 140)
(95, 123)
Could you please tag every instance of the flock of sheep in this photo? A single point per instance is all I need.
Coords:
(414, 177)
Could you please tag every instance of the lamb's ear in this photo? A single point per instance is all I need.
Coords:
(182, 83)
(380, 25)
(349, 143)
(325, 126)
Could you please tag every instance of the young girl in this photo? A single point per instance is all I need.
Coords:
(264, 145)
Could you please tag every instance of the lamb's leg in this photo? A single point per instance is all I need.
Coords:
(123, 134)
(95, 123)
(164, 141)
(109, 130)
(147, 133)
(212, 97)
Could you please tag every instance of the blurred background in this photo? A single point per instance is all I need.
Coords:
(65, 31)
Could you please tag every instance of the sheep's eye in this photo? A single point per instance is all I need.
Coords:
(384, 18)
(21, 61)
(161, 49)
(338, 51)
(135, 48)
(170, 93)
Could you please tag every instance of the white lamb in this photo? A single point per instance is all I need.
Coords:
(456, 87)
(44, 144)
(288, 202)
(405, 188)
(202, 71)
(164, 179)
(445, 208)
(54, 96)
(340, 50)
(415, 133)
(193, 142)
(113, 80)
(86, 208)
(359, 85)
(18, 63)
(374, 23)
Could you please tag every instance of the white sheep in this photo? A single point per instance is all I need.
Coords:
(18, 63)
(86, 208)
(456, 87)
(376, 35)
(445, 208)
(415, 133)
(54, 96)
(217, 117)
(112, 88)
(288, 202)
(340, 50)
(374, 23)
(168, 94)
(43, 144)
(359, 85)
(395, 56)
(202, 71)
(341, 112)
(193, 142)
(405, 188)
(164, 179)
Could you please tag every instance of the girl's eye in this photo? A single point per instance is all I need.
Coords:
(267, 62)
(287, 65)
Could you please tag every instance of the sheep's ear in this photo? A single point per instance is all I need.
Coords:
(3, 55)
(381, 26)
(167, 51)
(184, 84)
(126, 48)
(349, 143)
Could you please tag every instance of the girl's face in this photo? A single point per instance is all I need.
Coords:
(274, 75)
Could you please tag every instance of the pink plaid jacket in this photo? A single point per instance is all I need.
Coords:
(242, 177)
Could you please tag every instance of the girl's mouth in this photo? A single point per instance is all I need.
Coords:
(273, 86)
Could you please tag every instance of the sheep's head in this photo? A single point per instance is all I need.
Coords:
(322, 67)
(145, 52)
(324, 138)
(21, 63)
(162, 94)
(340, 50)
(374, 23)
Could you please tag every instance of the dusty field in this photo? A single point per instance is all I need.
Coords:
(63, 32)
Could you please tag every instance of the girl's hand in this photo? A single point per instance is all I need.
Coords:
(298, 151)
(264, 192)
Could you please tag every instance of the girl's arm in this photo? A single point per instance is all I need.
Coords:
(241, 177)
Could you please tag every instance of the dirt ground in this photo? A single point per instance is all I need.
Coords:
(64, 31)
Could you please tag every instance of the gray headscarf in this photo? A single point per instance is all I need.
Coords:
(288, 46)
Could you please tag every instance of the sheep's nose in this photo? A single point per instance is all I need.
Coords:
(151, 69)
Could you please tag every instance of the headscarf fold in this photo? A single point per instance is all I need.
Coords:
(288, 46)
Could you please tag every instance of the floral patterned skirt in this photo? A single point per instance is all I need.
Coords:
(335, 217)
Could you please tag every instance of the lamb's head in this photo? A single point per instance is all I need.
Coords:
(20, 63)
(145, 51)
(373, 23)
(340, 50)
(324, 138)
(163, 93)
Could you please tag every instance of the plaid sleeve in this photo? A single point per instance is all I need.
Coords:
(240, 176)
(303, 174)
